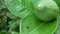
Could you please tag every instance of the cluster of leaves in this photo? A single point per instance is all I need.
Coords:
(17, 17)
(8, 22)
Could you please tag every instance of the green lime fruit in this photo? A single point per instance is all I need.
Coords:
(47, 10)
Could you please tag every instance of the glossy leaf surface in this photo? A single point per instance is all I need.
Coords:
(32, 25)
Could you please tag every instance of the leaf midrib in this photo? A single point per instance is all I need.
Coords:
(36, 28)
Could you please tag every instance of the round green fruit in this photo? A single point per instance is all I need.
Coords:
(47, 10)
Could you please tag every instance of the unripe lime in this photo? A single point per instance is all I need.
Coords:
(47, 10)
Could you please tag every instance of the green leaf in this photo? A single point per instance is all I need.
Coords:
(32, 25)
(14, 23)
(11, 16)
(20, 8)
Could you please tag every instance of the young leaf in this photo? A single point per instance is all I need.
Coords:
(20, 8)
(14, 23)
(32, 25)
(11, 16)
